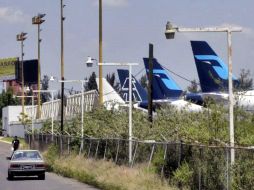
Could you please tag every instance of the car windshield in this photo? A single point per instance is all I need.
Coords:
(24, 155)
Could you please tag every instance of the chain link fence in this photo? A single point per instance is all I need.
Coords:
(198, 166)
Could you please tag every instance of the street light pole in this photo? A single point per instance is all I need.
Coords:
(130, 100)
(52, 113)
(82, 109)
(32, 117)
(231, 99)
(100, 54)
(37, 20)
(169, 33)
(82, 116)
(21, 37)
(130, 114)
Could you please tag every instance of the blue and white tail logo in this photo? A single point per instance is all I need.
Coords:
(138, 93)
(212, 71)
(164, 87)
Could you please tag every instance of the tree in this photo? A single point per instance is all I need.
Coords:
(144, 81)
(245, 80)
(193, 86)
(24, 119)
(111, 78)
(45, 97)
(7, 99)
(91, 85)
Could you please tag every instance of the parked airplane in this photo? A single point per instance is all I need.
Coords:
(165, 90)
(213, 77)
(111, 99)
(138, 92)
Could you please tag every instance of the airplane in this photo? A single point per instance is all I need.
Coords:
(111, 99)
(213, 77)
(165, 90)
(138, 92)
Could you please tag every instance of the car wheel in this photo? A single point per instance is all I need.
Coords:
(42, 176)
(10, 176)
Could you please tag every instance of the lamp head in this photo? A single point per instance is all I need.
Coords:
(170, 31)
(38, 19)
(89, 62)
(52, 78)
(41, 15)
(27, 89)
(21, 36)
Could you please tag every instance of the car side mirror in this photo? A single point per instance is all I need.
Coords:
(8, 158)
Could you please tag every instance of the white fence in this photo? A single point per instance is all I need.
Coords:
(72, 106)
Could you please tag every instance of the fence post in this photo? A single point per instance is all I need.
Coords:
(151, 155)
(164, 158)
(227, 168)
(68, 149)
(81, 148)
(29, 139)
(135, 152)
(61, 144)
(90, 144)
(56, 139)
(200, 168)
(180, 153)
(117, 150)
(105, 150)
(97, 147)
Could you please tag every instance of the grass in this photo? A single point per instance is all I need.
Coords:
(108, 176)
(23, 144)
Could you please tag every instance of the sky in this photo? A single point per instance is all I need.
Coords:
(128, 28)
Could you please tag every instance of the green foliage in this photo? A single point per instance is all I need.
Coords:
(111, 78)
(243, 175)
(193, 86)
(143, 81)
(7, 99)
(183, 175)
(24, 119)
(209, 127)
(45, 97)
(185, 164)
(245, 80)
(91, 85)
(51, 156)
(158, 161)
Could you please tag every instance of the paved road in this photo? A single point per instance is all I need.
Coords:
(52, 181)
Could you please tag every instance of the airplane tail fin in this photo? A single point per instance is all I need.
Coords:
(111, 99)
(212, 71)
(138, 92)
(164, 87)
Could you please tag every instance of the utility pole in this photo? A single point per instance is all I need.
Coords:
(150, 87)
(100, 54)
(22, 37)
(62, 67)
(38, 21)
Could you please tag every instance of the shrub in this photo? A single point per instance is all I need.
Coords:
(183, 176)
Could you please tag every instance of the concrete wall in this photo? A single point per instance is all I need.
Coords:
(18, 130)
(11, 123)
(10, 114)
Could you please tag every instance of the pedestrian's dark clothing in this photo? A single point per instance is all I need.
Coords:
(15, 144)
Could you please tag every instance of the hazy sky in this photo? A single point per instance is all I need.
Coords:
(128, 27)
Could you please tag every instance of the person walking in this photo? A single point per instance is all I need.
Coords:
(15, 144)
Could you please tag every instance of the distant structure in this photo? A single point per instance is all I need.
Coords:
(10, 74)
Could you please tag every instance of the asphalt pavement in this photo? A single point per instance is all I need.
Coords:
(52, 181)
